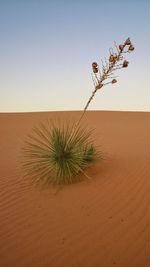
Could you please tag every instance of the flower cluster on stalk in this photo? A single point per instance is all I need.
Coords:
(116, 61)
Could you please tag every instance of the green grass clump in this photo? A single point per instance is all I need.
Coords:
(58, 153)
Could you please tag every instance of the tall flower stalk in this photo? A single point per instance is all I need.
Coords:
(106, 74)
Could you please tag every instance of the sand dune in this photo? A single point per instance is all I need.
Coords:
(104, 222)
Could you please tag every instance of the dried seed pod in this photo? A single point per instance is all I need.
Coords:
(99, 86)
(94, 65)
(95, 70)
(121, 47)
(125, 63)
(115, 58)
(131, 48)
(128, 42)
(114, 81)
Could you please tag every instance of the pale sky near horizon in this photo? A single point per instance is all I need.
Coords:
(47, 47)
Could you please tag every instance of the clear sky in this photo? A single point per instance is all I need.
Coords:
(47, 47)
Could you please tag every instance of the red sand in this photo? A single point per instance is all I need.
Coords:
(104, 222)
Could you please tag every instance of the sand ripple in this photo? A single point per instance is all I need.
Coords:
(104, 222)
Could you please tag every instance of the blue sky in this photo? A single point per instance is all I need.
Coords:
(47, 47)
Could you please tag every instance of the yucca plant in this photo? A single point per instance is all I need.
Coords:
(58, 153)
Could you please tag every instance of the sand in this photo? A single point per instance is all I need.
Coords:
(102, 222)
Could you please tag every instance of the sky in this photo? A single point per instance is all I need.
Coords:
(47, 47)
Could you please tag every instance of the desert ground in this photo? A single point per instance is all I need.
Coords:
(102, 222)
